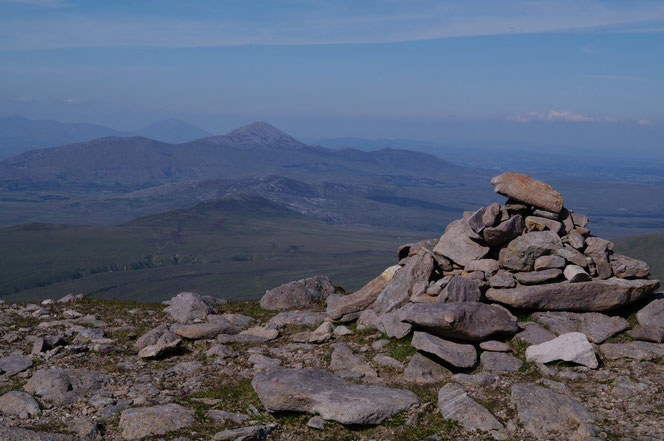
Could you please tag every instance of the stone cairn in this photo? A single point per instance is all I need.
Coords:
(531, 253)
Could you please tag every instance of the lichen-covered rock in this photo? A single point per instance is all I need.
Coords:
(523, 188)
(188, 306)
(399, 290)
(458, 355)
(521, 253)
(455, 404)
(141, 422)
(363, 298)
(65, 386)
(573, 347)
(456, 244)
(299, 294)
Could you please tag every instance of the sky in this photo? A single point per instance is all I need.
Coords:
(573, 72)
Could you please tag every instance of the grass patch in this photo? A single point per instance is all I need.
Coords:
(400, 349)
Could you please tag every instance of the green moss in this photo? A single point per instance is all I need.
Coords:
(400, 349)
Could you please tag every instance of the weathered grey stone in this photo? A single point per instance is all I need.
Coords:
(472, 321)
(296, 318)
(320, 335)
(475, 221)
(573, 347)
(14, 364)
(575, 239)
(595, 295)
(221, 416)
(299, 294)
(536, 277)
(199, 331)
(547, 214)
(16, 402)
(458, 355)
(399, 290)
(316, 422)
(482, 379)
(391, 325)
(628, 268)
(318, 391)
(167, 343)
(239, 320)
(344, 359)
(367, 319)
(141, 422)
(221, 351)
(188, 306)
(423, 370)
(549, 262)
(504, 232)
(635, 350)
(149, 338)
(651, 322)
(387, 361)
(259, 334)
(598, 249)
(499, 362)
(488, 266)
(461, 289)
(534, 334)
(530, 191)
(19, 434)
(455, 404)
(574, 274)
(502, 280)
(521, 253)
(363, 298)
(491, 215)
(535, 223)
(579, 219)
(456, 244)
(249, 433)
(549, 415)
(572, 256)
(495, 346)
(597, 327)
(64, 386)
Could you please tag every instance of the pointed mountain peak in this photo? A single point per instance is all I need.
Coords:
(259, 135)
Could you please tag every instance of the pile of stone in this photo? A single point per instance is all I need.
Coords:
(531, 253)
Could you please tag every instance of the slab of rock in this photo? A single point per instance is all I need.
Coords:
(537, 277)
(487, 266)
(635, 350)
(471, 321)
(523, 188)
(574, 273)
(573, 347)
(598, 249)
(499, 362)
(628, 268)
(549, 415)
(14, 364)
(502, 280)
(504, 232)
(458, 355)
(536, 223)
(149, 338)
(399, 289)
(249, 433)
(363, 298)
(19, 434)
(259, 333)
(476, 220)
(199, 331)
(320, 335)
(549, 262)
(65, 386)
(387, 361)
(576, 239)
(456, 244)
(296, 318)
(188, 306)
(221, 351)
(391, 325)
(344, 359)
(572, 256)
(651, 322)
(221, 416)
(423, 370)
(16, 402)
(319, 391)
(299, 294)
(521, 253)
(461, 289)
(597, 327)
(141, 422)
(166, 344)
(239, 320)
(534, 334)
(596, 295)
(455, 404)
(495, 346)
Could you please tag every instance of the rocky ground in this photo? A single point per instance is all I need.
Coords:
(514, 325)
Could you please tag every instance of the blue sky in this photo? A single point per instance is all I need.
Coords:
(588, 72)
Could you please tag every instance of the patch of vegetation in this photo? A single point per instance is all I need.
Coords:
(400, 349)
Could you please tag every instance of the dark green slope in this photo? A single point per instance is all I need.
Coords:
(236, 248)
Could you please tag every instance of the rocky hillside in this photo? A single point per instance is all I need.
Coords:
(516, 324)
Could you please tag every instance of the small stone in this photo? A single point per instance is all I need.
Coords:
(456, 245)
(461, 289)
(537, 277)
(298, 294)
(187, 307)
(488, 266)
(572, 347)
(261, 332)
(250, 433)
(458, 355)
(504, 232)
(597, 327)
(628, 268)
(634, 350)
(576, 240)
(549, 262)
(221, 351)
(199, 331)
(386, 361)
(341, 331)
(651, 322)
(14, 364)
(521, 253)
(574, 273)
(138, 423)
(495, 346)
(17, 402)
(455, 404)
(499, 362)
(534, 223)
(316, 422)
(423, 370)
(502, 280)
(534, 334)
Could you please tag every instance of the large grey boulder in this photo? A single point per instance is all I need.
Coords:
(391, 325)
(65, 386)
(19, 434)
(456, 244)
(344, 359)
(299, 294)
(471, 321)
(499, 362)
(573, 347)
(188, 306)
(319, 391)
(595, 295)
(455, 404)
(423, 370)
(141, 422)
(458, 355)
(523, 188)
(14, 364)
(634, 350)
(521, 253)
(504, 232)
(651, 322)
(398, 291)
(628, 267)
(461, 289)
(597, 327)
(167, 343)
(550, 415)
(599, 249)
(199, 331)
(363, 298)
(16, 402)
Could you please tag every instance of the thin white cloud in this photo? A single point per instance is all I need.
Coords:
(645, 122)
(71, 100)
(23, 99)
(40, 3)
(560, 116)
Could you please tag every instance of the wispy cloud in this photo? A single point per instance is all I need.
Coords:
(340, 22)
(40, 3)
(71, 100)
(23, 99)
(555, 115)
(645, 122)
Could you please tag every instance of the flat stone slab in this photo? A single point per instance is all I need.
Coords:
(65, 386)
(199, 331)
(299, 294)
(635, 350)
(473, 321)
(651, 322)
(398, 290)
(14, 364)
(499, 362)
(458, 355)
(456, 245)
(140, 422)
(596, 295)
(320, 392)
(423, 370)
(363, 298)
(536, 277)
(296, 318)
(15, 402)
(18, 434)
(597, 327)
(534, 334)
(548, 415)
(455, 404)
(573, 347)
(530, 191)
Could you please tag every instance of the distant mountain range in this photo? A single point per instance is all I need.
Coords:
(19, 134)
